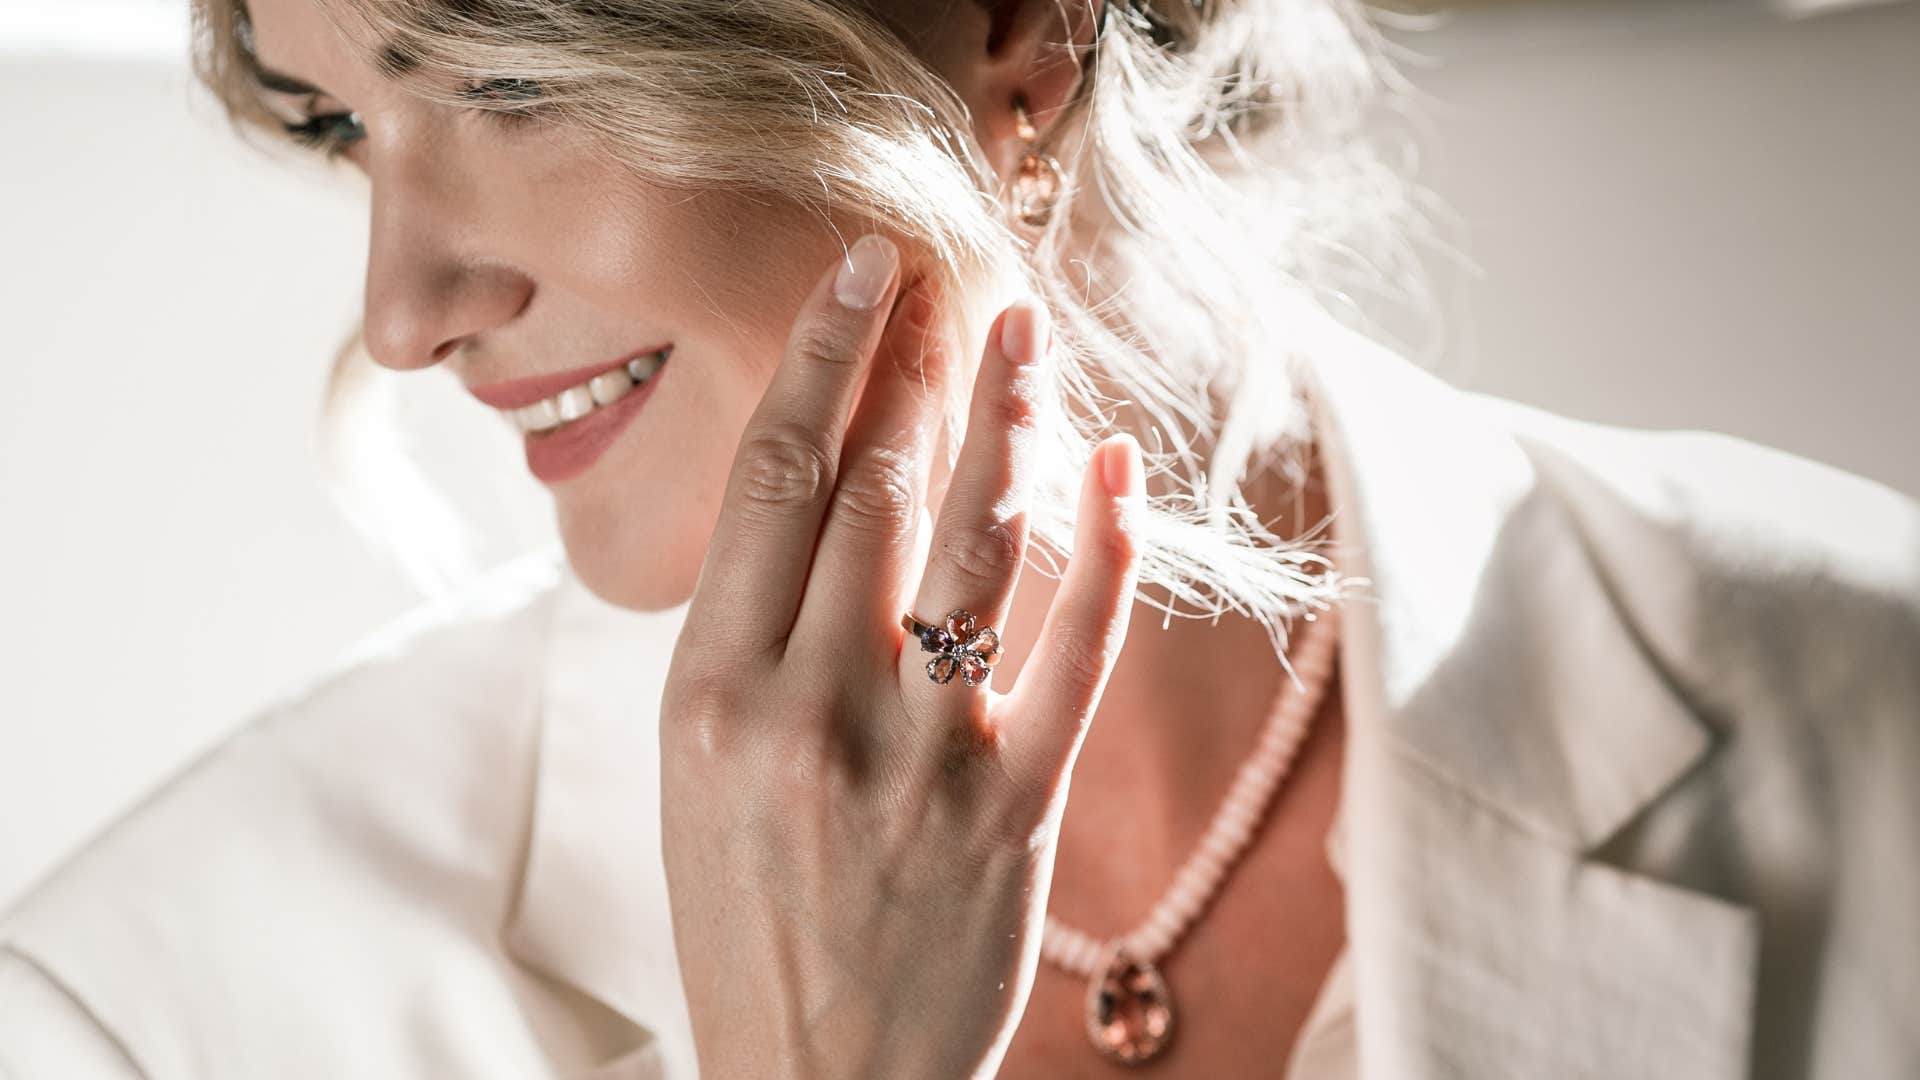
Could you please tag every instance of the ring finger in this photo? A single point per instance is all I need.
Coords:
(980, 539)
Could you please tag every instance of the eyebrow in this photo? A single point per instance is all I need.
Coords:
(393, 63)
(279, 82)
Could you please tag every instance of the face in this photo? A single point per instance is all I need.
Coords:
(503, 250)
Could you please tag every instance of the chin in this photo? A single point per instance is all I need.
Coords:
(639, 557)
(636, 531)
(610, 571)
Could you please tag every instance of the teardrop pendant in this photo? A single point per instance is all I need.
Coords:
(1129, 1009)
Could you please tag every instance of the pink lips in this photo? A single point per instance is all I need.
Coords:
(518, 393)
(562, 453)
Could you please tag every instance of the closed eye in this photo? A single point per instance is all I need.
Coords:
(508, 100)
(503, 90)
(331, 133)
(334, 133)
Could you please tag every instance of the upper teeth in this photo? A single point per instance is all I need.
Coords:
(577, 401)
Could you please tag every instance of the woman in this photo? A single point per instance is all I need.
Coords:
(1606, 771)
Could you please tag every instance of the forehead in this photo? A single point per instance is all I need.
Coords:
(299, 38)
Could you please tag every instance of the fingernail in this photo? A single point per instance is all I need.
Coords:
(865, 272)
(1024, 331)
(1122, 470)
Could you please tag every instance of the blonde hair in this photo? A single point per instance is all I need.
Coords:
(1221, 185)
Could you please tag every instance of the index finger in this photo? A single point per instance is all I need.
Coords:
(756, 567)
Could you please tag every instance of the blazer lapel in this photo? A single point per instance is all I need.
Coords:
(1507, 720)
(592, 907)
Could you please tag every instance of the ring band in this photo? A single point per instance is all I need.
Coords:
(959, 647)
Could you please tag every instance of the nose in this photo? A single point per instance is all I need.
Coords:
(432, 280)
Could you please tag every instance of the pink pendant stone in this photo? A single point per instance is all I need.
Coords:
(1129, 1012)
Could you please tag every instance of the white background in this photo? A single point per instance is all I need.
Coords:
(1683, 214)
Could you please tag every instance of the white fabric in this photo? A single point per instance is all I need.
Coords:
(1325, 1047)
(1630, 791)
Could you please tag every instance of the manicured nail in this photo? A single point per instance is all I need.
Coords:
(866, 272)
(1122, 469)
(1025, 331)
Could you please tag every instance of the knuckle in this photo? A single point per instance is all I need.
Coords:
(783, 468)
(1082, 659)
(1115, 548)
(877, 488)
(1016, 408)
(825, 342)
(985, 555)
(700, 711)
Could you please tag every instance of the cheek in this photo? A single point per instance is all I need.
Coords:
(723, 277)
(720, 275)
(722, 271)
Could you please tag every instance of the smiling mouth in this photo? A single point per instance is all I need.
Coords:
(585, 398)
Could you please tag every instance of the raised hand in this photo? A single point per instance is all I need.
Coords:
(858, 856)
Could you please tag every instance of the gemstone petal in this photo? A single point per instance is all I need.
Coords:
(941, 669)
(986, 643)
(960, 623)
(972, 671)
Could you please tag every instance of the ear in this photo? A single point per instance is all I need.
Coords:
(1034, 49)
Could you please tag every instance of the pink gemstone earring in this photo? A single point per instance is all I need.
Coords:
(1038, 181)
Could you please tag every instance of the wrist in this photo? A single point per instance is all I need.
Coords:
(845, 1036)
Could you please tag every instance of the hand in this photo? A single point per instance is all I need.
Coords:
(858, 858)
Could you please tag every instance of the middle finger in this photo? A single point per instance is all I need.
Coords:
(863, 564)
(755, 571)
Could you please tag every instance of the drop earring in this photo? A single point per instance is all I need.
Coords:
(1038, 181)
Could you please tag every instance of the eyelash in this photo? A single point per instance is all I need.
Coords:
(322, 132)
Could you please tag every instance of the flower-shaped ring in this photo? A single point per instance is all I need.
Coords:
(959, 647)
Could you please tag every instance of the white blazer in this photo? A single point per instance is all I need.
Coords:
(1632, 790)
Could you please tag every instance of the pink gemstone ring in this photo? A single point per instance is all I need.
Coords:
(957, 645)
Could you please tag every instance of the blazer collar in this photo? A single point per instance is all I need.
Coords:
(1493, 644)
(1506, 720)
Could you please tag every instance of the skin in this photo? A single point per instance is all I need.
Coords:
(496, 254)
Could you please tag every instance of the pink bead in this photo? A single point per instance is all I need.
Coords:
(1129, 1009)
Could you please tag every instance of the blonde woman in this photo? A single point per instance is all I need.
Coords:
(883, 363)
